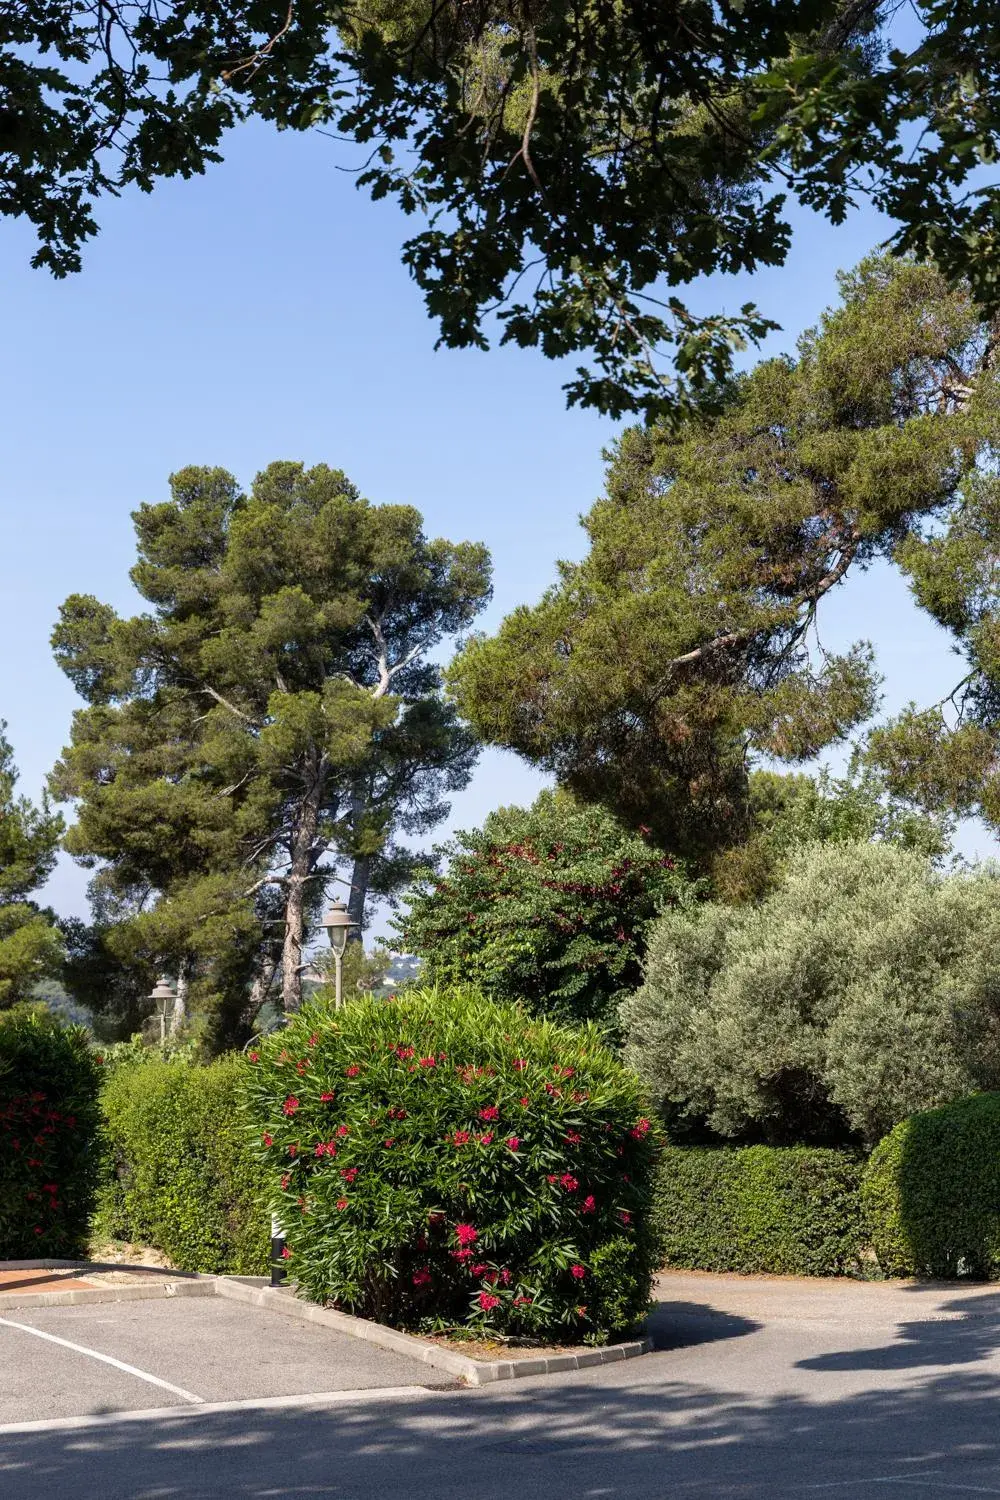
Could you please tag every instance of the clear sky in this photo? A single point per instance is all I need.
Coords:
(262, 312)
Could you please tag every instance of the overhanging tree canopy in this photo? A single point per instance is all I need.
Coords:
(575, 162)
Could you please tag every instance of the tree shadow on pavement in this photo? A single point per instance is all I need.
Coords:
(678, 1325)
(633, 1432)
(968, 1331)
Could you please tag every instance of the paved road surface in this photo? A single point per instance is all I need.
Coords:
(763, 1390)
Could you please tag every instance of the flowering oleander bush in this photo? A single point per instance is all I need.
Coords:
(49, 1158)
(440, 1160)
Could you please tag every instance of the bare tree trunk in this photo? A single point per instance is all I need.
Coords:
(361, 874)
(181, 998)
(258, 994)
(303, 854)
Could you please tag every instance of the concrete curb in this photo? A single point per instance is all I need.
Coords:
(200, 1284)
(473, 1371)
(136, 1292)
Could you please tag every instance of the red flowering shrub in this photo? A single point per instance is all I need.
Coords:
(49, 1157)
(510, 1192)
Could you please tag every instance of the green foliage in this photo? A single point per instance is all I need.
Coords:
(931, 1192)
(181, 1175)
(272, 714)
(439, 1160)
(791, 1210)
(49, 1158)
(30, 947)
(791, 810)
(548, 905)
(863, 989)
(681, 643)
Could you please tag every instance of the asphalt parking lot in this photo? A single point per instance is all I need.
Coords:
(759, 1390)
(131, 1356)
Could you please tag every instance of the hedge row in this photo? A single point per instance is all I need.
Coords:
(48, 1148)
(792, 1209)
(180, 1175)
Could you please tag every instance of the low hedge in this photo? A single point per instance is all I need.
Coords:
(443, 1161)
(931, 1192)
(49, 1159)
(785, 1209)
(181, 1175)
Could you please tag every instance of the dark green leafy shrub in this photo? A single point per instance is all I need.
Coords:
(439, 1160)
(931, 1192)
(780, 1210)
(182, 1176)
(49, 1157)
(547, 905)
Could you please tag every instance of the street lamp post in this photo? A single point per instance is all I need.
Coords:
(163, 997)
(338, 924)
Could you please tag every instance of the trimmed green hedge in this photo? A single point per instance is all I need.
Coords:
(785, 1209)
(181, 1175)
(931, 1192)
(49, 1157)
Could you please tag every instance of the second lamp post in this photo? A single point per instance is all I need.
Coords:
(338, 925)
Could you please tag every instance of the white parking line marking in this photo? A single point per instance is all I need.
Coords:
(106, 1359)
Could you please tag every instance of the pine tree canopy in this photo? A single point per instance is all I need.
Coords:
(689, 640)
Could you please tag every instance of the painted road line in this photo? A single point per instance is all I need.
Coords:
(105, 1359)
(299, 1403)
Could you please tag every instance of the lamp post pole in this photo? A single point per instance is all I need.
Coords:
(163, 997)
(338, 924)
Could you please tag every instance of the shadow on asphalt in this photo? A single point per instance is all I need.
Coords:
(973, 1334)
(678, 1325)
(661, 1438)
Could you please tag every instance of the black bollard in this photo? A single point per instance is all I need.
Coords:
(278, 1268)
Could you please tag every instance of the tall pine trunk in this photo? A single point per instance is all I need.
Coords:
(180, 1009)
(303, 858)
(361, 874)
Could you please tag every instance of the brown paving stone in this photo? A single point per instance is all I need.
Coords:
(42, 1281)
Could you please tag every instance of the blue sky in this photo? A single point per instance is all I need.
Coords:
(262, 312)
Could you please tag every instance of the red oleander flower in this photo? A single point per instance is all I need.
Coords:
(461, 1137)
(487, 1301)
(285, 1180)
(485, 1140)
(404, 1053)
(466, 1234)
(639, 1130)
(301, 1065)
(569, 1182)
(520, 1063)
(489, 1113)
(572, 1138)
(588, 1206)
(524, 1103)
(343, 1130)
(581, 1311)
(341, 1202)
(352, 1071)
(422, 1277)
(552, 1177)
(390, 1142)
(290, 1105)
(522, 1301)
(286, 1253)
(505, 1277)
(626, 1217)
(326, 1098)
(348, 1173)
(513, 1142)
(490, 1277)
(312, 1040)
(428, 1062)
(267, 1139)
(254, 1057)
(578, 1271)
(293, 1150)
(478, 1270)
(461, 1254)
